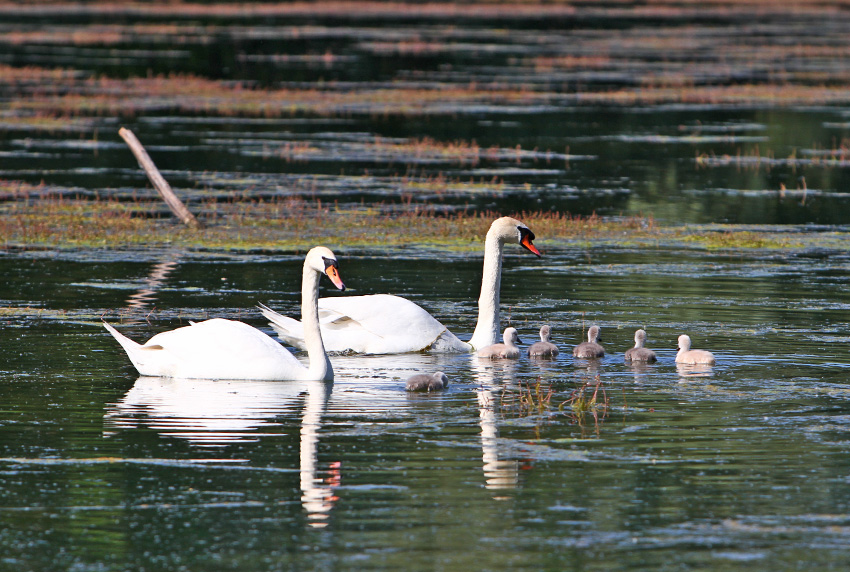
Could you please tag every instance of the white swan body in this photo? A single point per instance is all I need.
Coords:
(640, 353)
(545, 347)
(387, 324)
(506, 350)
(227, 349)
(687, 355)
(348, 324)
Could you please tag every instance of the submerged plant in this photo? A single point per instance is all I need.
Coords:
(586, 400)
(531, 398)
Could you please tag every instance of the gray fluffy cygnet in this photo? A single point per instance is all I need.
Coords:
(429, 382)
(640, 353)
(590, 348)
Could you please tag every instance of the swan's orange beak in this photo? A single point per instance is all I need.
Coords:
(333, 273)
(526, 238)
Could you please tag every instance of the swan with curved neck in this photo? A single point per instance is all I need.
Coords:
(387, 324)
(227, 349)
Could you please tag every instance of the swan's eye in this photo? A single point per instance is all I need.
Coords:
(332, 272)
(525, 232)
(525, 239)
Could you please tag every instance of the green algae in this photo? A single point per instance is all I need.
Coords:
(283, 226)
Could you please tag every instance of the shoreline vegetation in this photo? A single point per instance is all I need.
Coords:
(294, 224)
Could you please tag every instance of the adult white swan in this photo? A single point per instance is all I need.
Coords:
(227, 349)
(387, 324)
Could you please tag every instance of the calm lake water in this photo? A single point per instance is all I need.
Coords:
(744, 464)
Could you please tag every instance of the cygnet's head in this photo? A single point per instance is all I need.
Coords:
(511, 337)
(545, 334)
(640, 338)
(594, 334)
(684, 342)
(440, 379)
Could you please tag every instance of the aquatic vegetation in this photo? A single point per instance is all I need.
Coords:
(740, 239)
(586, 401)
(529, 398)
(41, 216)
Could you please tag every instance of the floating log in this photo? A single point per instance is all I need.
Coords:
(159, 183)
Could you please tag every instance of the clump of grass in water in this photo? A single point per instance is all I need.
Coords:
(586, 400)
(532, 398)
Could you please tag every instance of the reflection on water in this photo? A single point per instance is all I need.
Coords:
(498, 473)
(142, 299)
(205, 412)
(216, 413)
(317, 492)
(693, 370)
(641, 371)
(494, 376)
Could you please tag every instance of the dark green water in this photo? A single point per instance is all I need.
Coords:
(743, 464)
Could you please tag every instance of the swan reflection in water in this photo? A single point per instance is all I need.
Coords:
(688, 371)
(641, 371)
(211, 413)
(146, 295)
(494, 376)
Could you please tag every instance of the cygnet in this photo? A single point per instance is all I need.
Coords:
(640, 353)
(590, 348)
(507, 350)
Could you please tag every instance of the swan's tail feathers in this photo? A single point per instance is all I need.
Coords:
(147, 359)
(289, 330)
(129, 345)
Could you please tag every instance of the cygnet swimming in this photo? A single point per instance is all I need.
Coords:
(590, 348)
(640, 353)
(687, 355)
(545, 347)
(436, 381)
(507, 350)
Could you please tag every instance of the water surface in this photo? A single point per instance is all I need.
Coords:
(742, 462)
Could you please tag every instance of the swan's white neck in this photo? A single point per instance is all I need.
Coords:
(320, 366)
(487, 329)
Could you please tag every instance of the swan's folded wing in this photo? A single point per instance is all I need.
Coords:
(224, 349)
(376, 324)
(380, 323)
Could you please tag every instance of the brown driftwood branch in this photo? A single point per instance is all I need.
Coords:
(161, 185)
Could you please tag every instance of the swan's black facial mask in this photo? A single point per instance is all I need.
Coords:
(525, 240)
(332, 272)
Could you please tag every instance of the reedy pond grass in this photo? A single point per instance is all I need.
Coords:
(294, 224)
